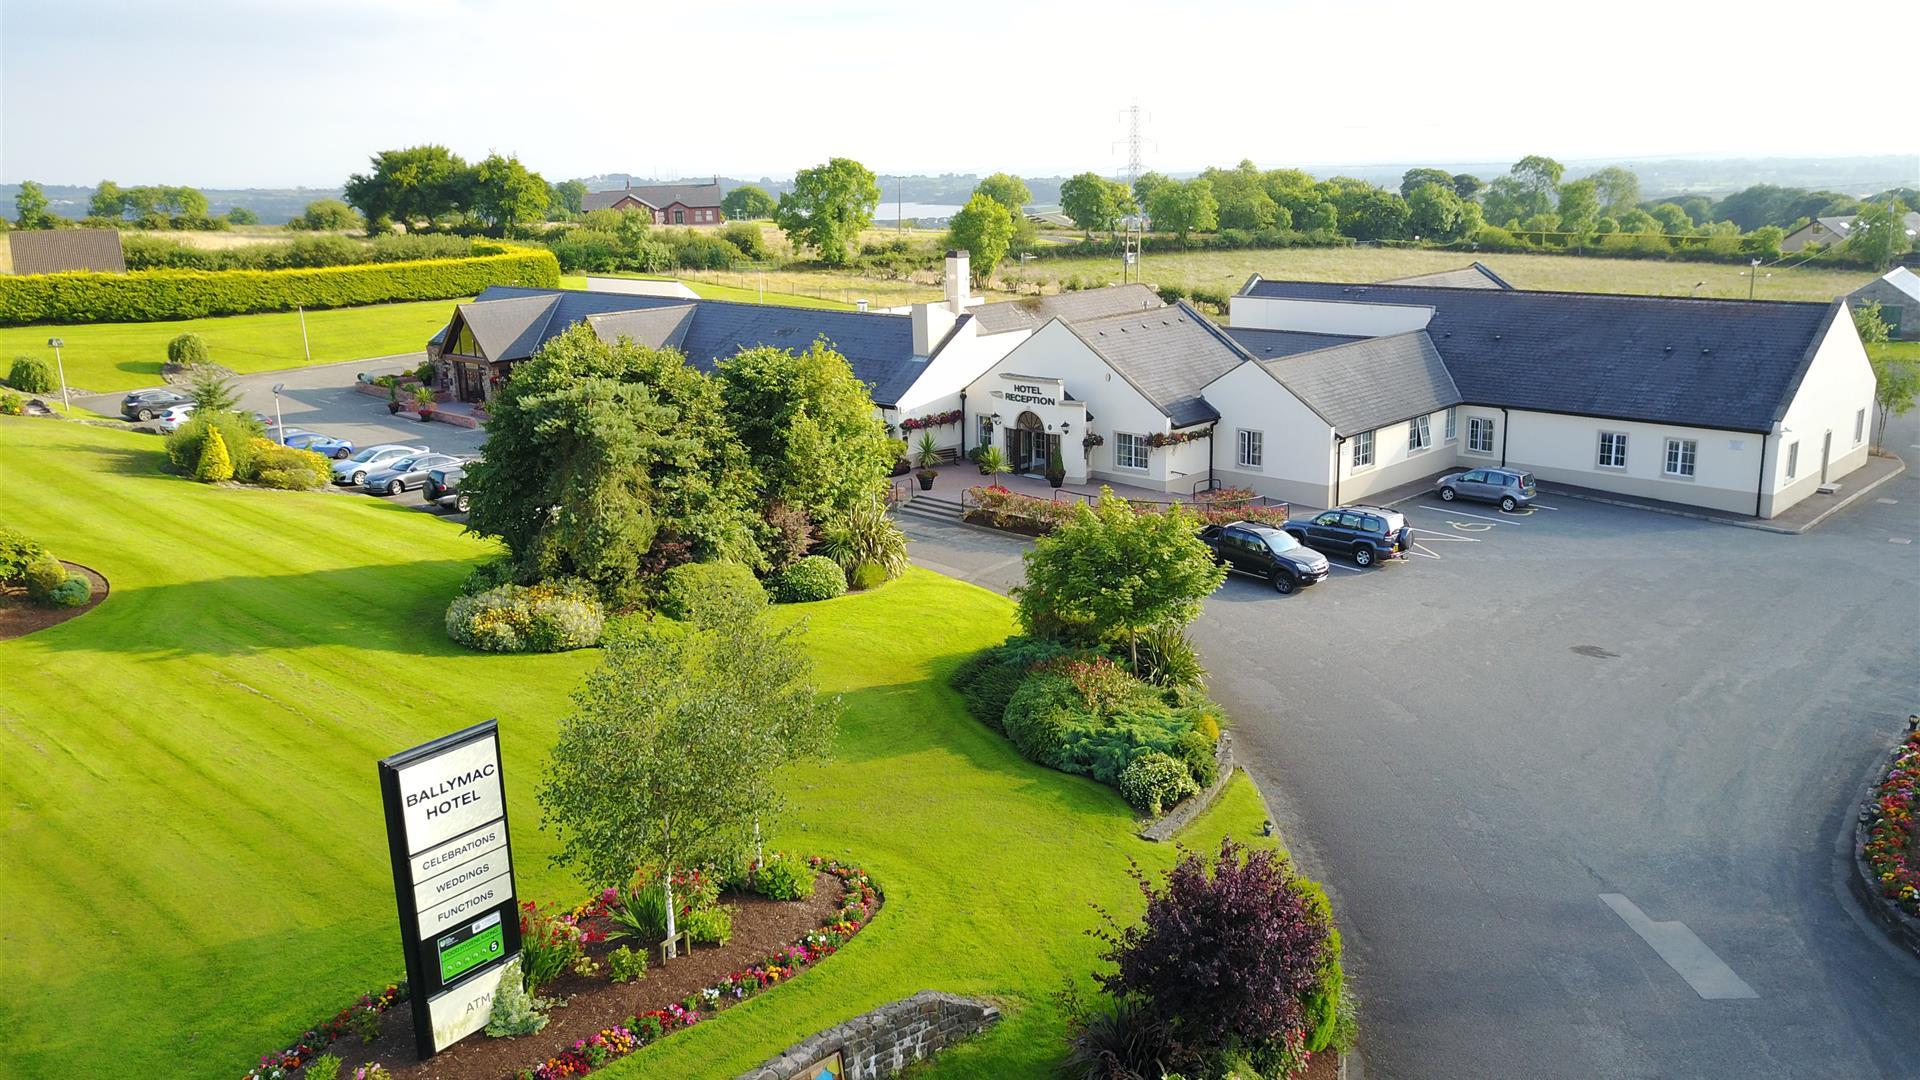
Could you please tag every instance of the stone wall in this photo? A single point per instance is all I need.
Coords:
(886, 1040)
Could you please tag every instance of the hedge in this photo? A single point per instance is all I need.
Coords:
(152, 295)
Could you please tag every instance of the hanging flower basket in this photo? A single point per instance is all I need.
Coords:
(932, 420)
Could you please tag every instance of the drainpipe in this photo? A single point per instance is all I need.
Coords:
(1210, 458)
(1505, 423)
(1760, 488)
(963, 425)
(1339, 460)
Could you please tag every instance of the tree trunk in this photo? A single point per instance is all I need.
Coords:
(666, 886)
(759, 856)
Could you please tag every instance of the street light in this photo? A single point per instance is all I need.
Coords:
(279, 429)
(55, 343)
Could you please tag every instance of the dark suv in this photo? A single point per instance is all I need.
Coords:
(443, 487)
(1266, 552)
(147, 404)
(1366, 533)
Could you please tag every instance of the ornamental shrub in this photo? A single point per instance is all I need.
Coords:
(815, 577)
(1155, 782)
(515, 1011)
(782, 877)
(288, 468)
(698, 592)
(236, 431)
(1321, 1005)
(214, 464)
(1040, 713)
(31, 375)
(187, 350)
(44, 575)
(152, 295)
(17, 552)
(324, 1067)
(625, 965)
(552, 616)
(869, 575)
(988, 694)
(708, 925)
(491, 574)
(12, 404)
(73, 592)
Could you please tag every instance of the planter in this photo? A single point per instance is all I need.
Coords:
(1055, 481)
(426, 416)
(926, 480)
(393, 407)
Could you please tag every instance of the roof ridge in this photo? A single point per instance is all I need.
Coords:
(1548, 292)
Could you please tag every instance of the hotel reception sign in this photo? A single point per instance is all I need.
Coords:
(453, 877)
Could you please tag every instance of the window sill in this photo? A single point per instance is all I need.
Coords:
(1676, 476)
(1609, 468)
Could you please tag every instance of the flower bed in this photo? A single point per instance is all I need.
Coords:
(1003, 508)
(860, 900)
(1890, 850)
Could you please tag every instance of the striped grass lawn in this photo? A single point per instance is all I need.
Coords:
(192, 862)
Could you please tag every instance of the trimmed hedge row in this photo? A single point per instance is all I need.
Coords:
(152, 295)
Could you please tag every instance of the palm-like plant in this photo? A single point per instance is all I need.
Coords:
(927, 453)
(992, 462)
(865, 534)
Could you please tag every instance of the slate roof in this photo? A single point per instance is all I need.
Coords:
(1369, 383)
(1843, 225)
(878, 347)
(1033, 312)
(54, 251)
(1168, 354)
(656, 328)
(656, 195)
(1270, 344)
(1728, 364)
(1475, 275)
(509, 329)
(1900, 278)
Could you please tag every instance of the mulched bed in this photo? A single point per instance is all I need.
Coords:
(761, 927)
(20, 616)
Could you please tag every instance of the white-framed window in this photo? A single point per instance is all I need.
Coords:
(1613, 450)
(1252, 448)
(1129, 451)
(1680, 456)
(1453, 431)
(983, 427)
(1363, 450)
(1793, 458)
(1859, 426)
(1480, 434)
(1419, 435)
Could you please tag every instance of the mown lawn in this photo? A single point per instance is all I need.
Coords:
(191, 852)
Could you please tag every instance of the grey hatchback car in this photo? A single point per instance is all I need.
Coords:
(1510, 488)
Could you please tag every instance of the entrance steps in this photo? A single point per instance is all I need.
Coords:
(931, 505)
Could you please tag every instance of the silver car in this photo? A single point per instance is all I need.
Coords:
(356, 469)
(1510, 488)
(406, 474)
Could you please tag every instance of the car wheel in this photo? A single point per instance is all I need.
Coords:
(341, 454)
(1283, 583)
(146, 414)
(358, 478)
(395, 487)
(1363, 556)
(460, 504)
(1446, 494)
(1507, 503)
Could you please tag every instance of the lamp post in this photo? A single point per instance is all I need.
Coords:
(279, 429)
(55, 343)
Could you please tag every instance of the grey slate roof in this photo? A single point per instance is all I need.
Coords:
(1168, 354)
(1271, 344)
(509, 329)
(656, 328)
(1032, 312)
(1900, 279)
(54, 251)
(1475, 275)
(1369, 383)
(1728, 364)
(878, 347)
(656, 195)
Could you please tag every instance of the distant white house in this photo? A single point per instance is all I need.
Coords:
(1898, 294)
(1834, 230)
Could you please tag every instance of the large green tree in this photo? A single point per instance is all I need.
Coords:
(1468, 186)
(1414, 179)
(1095, 203)
(30, 207)
(985, 230)
(1434, 212)
(747, 202)
(419, 187)
(809, 428)
(828, 206)
(1375, 214)
(108, 201)
(1145, 185)
(504, 193)
(1184, 206)
(1008, 190)
(569, 196)
(1579, 207)
(611, 462)
(1879, 233)
(1107, 574)
(1617, 188)
(326, 215)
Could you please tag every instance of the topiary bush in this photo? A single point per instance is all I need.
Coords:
(187, 350)
(31, 375)
(213, 464)
(815, 577)
(43, 575)
(692, 592)
(1154, 782)
(73, 592)
(869, 576)
(17, 552)
(553, 616)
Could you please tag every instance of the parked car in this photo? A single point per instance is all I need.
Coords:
(147, 404)
(443, 486)
(265, 420)
(173, 416)
(405, 474)
(354, 470)
(1364, 533)
(325, 445)
(1511, 488)
(1266, 552)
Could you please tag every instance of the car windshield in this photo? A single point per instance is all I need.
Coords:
(1280, 542)
(368, 454)
(1526, 479)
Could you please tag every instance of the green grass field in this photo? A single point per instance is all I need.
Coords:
(192, 857)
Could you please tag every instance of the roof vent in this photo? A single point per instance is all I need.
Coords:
(1667, 349)
(1705, 351)
(1496, 337)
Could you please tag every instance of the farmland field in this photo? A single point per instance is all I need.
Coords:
(194, 867)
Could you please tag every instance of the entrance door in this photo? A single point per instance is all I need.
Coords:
(1027, 445)
(1826, 452)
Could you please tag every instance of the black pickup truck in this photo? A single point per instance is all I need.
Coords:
(1266, 552)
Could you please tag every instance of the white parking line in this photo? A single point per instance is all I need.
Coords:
(1440, 536)
(1463, 513)
(1421, 550)
(1683, 951)
(1343, 566)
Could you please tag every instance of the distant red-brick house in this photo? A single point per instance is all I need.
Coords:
(670, 204)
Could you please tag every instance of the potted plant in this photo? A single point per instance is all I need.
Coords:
(927, 455)
(423, 401)
(992, 461)
(393, 392)
(1056, 468)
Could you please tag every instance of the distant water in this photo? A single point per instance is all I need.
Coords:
(891, 211)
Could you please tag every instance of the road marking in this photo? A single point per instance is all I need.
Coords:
(1343, 566)
(1421, 550)
(1899, 540)
(1463, 513)
(1887, 502)
(1471, 526)
(1542, 506)
(1683, 951)
(1438, 537)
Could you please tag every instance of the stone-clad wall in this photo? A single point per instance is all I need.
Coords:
(886, 1040)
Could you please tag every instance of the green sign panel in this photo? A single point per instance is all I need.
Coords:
(461, 953)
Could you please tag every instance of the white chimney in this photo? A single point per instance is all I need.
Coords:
(958, 282)
(931, 322)
(860, 306)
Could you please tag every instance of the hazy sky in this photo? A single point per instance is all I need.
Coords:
(232, 93)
